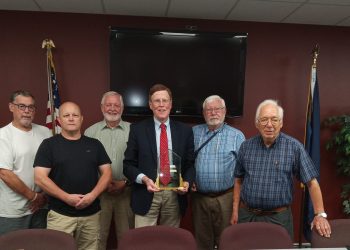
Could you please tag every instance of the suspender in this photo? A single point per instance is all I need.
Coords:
(206, 142)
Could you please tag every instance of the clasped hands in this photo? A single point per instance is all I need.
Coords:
(38, 202)
(80, 201)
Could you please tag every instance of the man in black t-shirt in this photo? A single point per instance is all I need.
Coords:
(74, 170)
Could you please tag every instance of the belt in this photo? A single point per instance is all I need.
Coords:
(262, 212)
(216, 194)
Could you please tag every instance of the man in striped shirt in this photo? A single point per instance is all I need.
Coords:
(216, 149)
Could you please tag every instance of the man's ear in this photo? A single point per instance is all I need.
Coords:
(256, 124)
(11, 106)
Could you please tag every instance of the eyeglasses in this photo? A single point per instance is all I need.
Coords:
(158, 102)
(31, 108)
(265, 120)
(216, 110)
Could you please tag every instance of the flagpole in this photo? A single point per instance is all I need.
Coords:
(315, 52)
(48, 44)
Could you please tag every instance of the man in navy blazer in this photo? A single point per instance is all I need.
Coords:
(149, 203)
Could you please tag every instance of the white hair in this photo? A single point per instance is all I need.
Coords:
(269, 102)
(212, 98)
(111, 93)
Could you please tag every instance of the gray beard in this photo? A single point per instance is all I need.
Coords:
(111, 118)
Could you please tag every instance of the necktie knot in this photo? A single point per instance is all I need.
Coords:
(162, 126)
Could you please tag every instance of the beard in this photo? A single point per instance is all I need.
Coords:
(111, 118)
(26, 122)
(214, 121)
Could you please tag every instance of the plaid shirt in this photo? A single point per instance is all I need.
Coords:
(268, 172)
(216, 161)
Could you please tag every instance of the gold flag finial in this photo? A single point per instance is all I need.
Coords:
(48, 44)
(315, 53)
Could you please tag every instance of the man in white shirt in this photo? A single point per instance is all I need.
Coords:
(19, 141)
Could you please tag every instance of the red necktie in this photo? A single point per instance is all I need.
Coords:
(164, 156)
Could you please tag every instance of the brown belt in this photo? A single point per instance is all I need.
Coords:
(216, 194)
(262, 212)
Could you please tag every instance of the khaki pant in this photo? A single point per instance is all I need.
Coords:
(211, 215)
(164, 208)
(118, 207)
(85, 230)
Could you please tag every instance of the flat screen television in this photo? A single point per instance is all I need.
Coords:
(194, 65)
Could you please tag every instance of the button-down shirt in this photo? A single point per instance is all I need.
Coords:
(158, 130)
(114, 141)
(268, 172)
(215, 162)
(168, 133)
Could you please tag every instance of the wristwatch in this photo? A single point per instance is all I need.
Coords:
(322, 214)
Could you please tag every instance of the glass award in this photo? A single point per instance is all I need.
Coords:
(175, 173)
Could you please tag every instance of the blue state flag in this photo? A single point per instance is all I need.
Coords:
(312, 145)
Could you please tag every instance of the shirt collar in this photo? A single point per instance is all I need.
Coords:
(157, 123)
(103, 125)
(218, 130)
(277, 140)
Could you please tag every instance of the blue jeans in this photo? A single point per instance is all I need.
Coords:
(12, 224)
(36, 220)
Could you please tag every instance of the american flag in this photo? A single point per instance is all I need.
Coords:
(54, 100)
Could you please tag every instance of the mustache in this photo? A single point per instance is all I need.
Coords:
(111, 117)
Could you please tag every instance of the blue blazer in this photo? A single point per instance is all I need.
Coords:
(141, 157)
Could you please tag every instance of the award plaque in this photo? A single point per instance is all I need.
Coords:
(175, 173)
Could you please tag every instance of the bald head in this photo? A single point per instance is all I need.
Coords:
(70, 118)
(67, 106)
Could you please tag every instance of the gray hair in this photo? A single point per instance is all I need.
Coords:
(22, 93)
(269, 102)
(111, 93)
(212, 98)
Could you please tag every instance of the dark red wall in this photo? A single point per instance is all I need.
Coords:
(278, 66)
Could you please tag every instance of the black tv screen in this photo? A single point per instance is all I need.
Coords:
(194, 65)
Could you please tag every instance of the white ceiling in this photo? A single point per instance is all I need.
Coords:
(319, 12)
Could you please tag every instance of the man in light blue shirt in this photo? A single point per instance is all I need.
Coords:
(216, 148)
